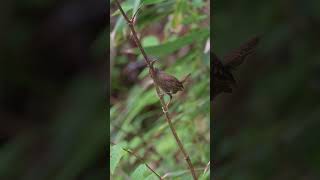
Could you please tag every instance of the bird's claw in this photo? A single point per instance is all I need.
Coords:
(131, 22)
(164, 111)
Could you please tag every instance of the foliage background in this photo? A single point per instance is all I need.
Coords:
(176, 33)
(268, 128)
(53, 89)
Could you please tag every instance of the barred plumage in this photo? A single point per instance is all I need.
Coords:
(167, 83)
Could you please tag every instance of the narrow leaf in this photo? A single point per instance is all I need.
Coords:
(116, 154)
(145, 2)
(140, 173)
(172, 46)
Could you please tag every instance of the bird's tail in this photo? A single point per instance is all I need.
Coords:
(185, 78)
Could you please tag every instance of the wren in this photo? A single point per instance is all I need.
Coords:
(168, 84)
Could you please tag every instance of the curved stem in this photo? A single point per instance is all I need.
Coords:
(140, 159)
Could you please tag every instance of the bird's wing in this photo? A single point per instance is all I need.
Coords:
(237, 56)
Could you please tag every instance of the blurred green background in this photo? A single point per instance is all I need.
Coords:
(177, 34)
(53, 89)
(269, 127)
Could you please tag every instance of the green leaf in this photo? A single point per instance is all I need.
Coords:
(205, 175)
(116, 154)
(146, 2)
(150, 41)
(144, 73)
(172, 46)
(140, 173)
(198, 3)
(140, 101)
(125, 6)
(152, 176)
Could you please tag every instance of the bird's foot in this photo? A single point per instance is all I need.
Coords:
(161, 94)
(164, 110)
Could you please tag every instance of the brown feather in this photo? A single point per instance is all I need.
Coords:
(167, 82)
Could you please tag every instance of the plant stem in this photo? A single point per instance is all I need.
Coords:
(164, 107)
(140, 159)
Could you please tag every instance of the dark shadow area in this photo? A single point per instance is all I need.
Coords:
(53, 89)
(268, 127)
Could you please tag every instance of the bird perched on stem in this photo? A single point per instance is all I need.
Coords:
(167, 83)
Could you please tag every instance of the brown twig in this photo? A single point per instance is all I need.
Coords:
(144, 143)
(164, 108)
(141, 160)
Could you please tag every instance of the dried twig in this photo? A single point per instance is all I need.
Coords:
(141, 160)
(164, 108)
(206, 168)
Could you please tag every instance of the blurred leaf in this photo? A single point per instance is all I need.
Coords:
(146, 2)
(152, 176)
(120, 25)
(144, 73)
(150, 41)
(87, 151)
(172, 46)
(126, 6)
(122, 60)
(116, 154)
(141, 172)
(141, 100)
(192, 19)
(198, 3)
(165, 147)
(205, 176)
(182, 174)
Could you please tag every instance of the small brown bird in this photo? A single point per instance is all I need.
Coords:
(167, 83)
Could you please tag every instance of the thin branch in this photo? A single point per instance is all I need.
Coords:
(144, 142)
(164, 107)
(135, 37)
(141, 160)
(207, 168)
(134, 16)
